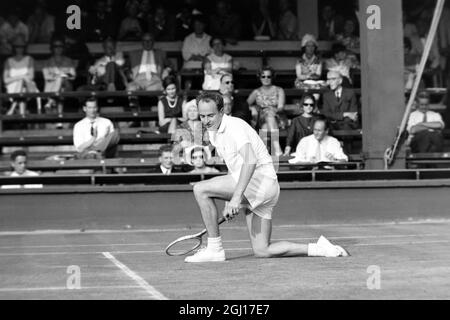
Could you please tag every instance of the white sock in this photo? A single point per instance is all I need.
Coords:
(315, 251)
(215, 243)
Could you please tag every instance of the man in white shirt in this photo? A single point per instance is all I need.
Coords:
(425, 127)
(94, 136)
(19, 164)
(319, 146)
(196, 45)
(251, 185)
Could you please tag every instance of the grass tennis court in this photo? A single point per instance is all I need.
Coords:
(413, 258)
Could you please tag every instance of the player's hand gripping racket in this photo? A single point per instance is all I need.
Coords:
(186, 244)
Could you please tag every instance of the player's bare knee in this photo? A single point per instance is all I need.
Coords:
(200, 189)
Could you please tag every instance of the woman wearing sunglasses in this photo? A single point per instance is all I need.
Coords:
(269, 100)
(302, 125)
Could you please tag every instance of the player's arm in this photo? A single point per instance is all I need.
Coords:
(248, 168)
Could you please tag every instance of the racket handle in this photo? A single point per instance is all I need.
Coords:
(221, 220)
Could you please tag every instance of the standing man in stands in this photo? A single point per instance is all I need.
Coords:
(425, 127)
(94, 136)
(252, 186)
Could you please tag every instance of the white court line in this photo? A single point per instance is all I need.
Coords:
(228, 249)
(65, 288)
(156, 230)
(140, 281)
(224, 241)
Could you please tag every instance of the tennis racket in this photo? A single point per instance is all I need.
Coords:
(186, 244)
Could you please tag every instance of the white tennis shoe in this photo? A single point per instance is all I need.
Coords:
(207, 255)
(331, 250)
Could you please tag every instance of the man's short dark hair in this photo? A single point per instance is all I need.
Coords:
(17, 153)
(165, 148)
(91, 99)
(321, 117)
(423, 95)
(211, 97)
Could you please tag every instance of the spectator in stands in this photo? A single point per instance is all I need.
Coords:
(77, 50)
(41, 24)
(191, 132)
(183, 23)
(198, 157)
(340, 104)
(216, 64)
(18, 160)
(239, 106)
(349, 37)
(130, 28)
(425, 127)
(101, 24)
(225, 24)
(330, 24)
(227, 104)
(59, 73)
(411, 61)
(94, 137)
(287, 22)
(166, 160)
(302, 125)
(263, 26)
(343, 62)
(196, 45)
(14, 27)
(162, 25)
(145, 14)
(149, 66)
(309, 67)
(18, 75)
(5, 46)
(108, 71)
(319, 146)
(170, 107)
(433, 66)
(269, 100)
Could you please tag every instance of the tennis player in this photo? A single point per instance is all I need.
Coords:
(252, 186)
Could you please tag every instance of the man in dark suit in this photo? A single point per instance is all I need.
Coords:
(239, 106)
(340, 104)
(165, 160)
(148, 66)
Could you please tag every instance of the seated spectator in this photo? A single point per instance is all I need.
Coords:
(170, 107)
(130, 28)
(183, 23)
(77, 50)
(349, 37)
(101, 24)
(269, 100)
(196, 45)
(411, 61)
(319, 146)
(309, 66)
(94, 137)
(19, 165)
(41, 24)
(149, 66)
(145, 14)
(343, 62)
(263, 26)
(108, 71)
(302, 125)
(166, 160)
(330, 24)
(13, 27)
(425, 127)
(340, 104)
(287, 22)
(238, 105)
(162, 25)
(198, 158)
(191, 132)
(225, 24)
(435, 63)
(18, 75)
(59, 72)
(216, 65)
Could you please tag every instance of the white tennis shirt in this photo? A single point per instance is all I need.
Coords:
(232, 135)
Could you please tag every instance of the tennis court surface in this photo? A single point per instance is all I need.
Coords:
(401, 260)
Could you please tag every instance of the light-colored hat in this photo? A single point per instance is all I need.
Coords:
(308, 38)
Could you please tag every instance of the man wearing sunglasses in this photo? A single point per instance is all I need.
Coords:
(239, 107)
(425, 127)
